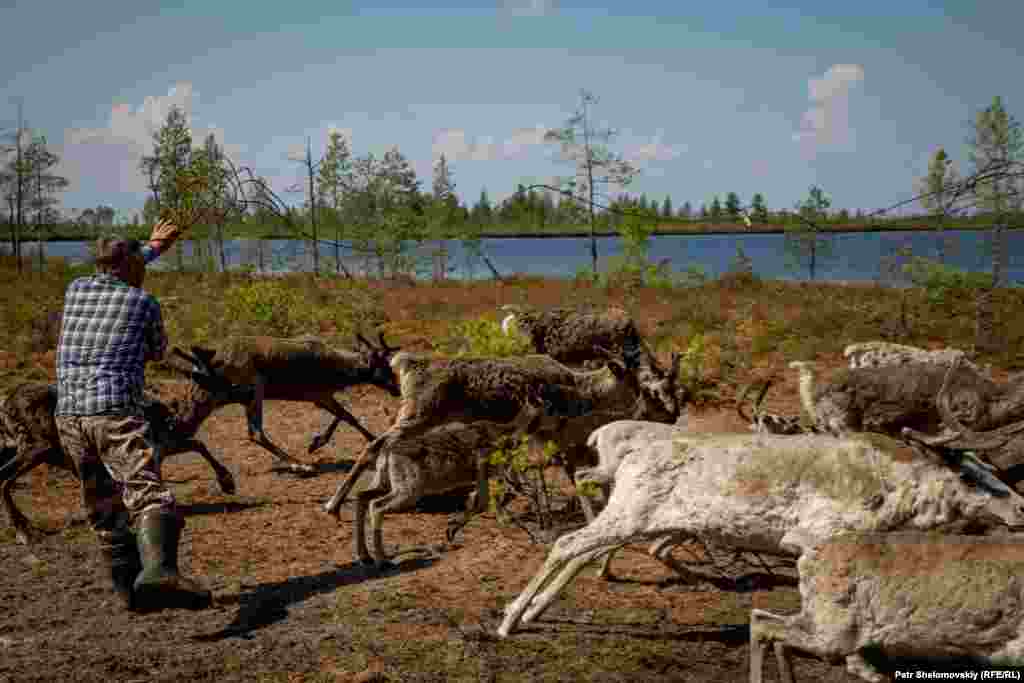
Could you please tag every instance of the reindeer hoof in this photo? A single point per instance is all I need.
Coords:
(316, 444)
(227, 485)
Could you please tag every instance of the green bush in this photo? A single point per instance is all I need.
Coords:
(941, 281)
(264, 305)
(692, 373)
(484, 337)
(528, 479)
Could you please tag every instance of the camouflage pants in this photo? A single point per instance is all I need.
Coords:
(119, 468)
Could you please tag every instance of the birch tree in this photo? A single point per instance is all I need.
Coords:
(996, 143)
(334, 180)
(585, 146)
(937, 188)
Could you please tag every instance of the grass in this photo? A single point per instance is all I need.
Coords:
(730, 330)
(744, 324)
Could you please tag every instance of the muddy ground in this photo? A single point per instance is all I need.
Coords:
(292, 606)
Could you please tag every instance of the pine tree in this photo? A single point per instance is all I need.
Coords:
(732, 205)
(758, 208)
(716, 209)
(334, 181)
(997, 144)
(172, 155)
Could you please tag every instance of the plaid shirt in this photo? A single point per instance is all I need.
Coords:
(109, 331)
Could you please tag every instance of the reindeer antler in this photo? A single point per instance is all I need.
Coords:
(756, 415)
(942, 402)
(186, 357)
(384, 344)
(675, 365)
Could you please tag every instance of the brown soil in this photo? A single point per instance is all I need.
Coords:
(292, 606)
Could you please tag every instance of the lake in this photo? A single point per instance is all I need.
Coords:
(855, 256)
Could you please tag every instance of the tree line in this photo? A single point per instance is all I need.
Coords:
(375, 210)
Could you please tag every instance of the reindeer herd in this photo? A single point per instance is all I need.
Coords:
(894, 489)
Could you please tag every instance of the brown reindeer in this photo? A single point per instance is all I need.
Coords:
(28, 430)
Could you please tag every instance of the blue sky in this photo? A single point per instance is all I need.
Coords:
(708, 97)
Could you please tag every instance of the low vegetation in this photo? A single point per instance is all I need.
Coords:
(725, 328)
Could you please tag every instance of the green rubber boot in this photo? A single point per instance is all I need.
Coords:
(121, 558)
(160, 586)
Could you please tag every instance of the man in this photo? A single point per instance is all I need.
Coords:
(111, 328)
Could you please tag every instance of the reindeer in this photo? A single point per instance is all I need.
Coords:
(28, 429)
(575, 337)
(308, 370)
(438, 391)
(447, 458)
(868, 596)
(774, 494)
(885, 399)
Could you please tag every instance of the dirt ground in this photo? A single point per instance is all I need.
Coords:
(290, 604)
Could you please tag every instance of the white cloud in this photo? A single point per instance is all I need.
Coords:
(136, 128)
(654, 150)
(346, 133)
(455, 145)
(760, 168)
(296, 151)
(522, 139)
(106, 160)
(827, 122)
(528, 8)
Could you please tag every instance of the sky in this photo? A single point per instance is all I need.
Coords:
(707, 98)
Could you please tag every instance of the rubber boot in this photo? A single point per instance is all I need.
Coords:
(160, 586)
(121, 558)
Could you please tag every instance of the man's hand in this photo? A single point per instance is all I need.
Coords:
(165, 231)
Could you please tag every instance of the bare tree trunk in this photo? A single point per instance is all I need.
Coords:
(985, 336)
(42, 247)
(220, 243)
(312, 208)
(10, 221)
(19, 188)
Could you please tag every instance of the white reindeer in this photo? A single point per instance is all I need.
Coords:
(759, 492)
(933, 597)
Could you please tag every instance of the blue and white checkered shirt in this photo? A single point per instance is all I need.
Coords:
(109, 330)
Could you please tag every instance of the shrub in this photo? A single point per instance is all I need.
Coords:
(942, 282)
(524, 477)
(484, 337)
(693, 378)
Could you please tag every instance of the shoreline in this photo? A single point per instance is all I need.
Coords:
(576, 234)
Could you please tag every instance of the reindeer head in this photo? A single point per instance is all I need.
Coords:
(378, 360)
(663, 399)
(996, 503)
